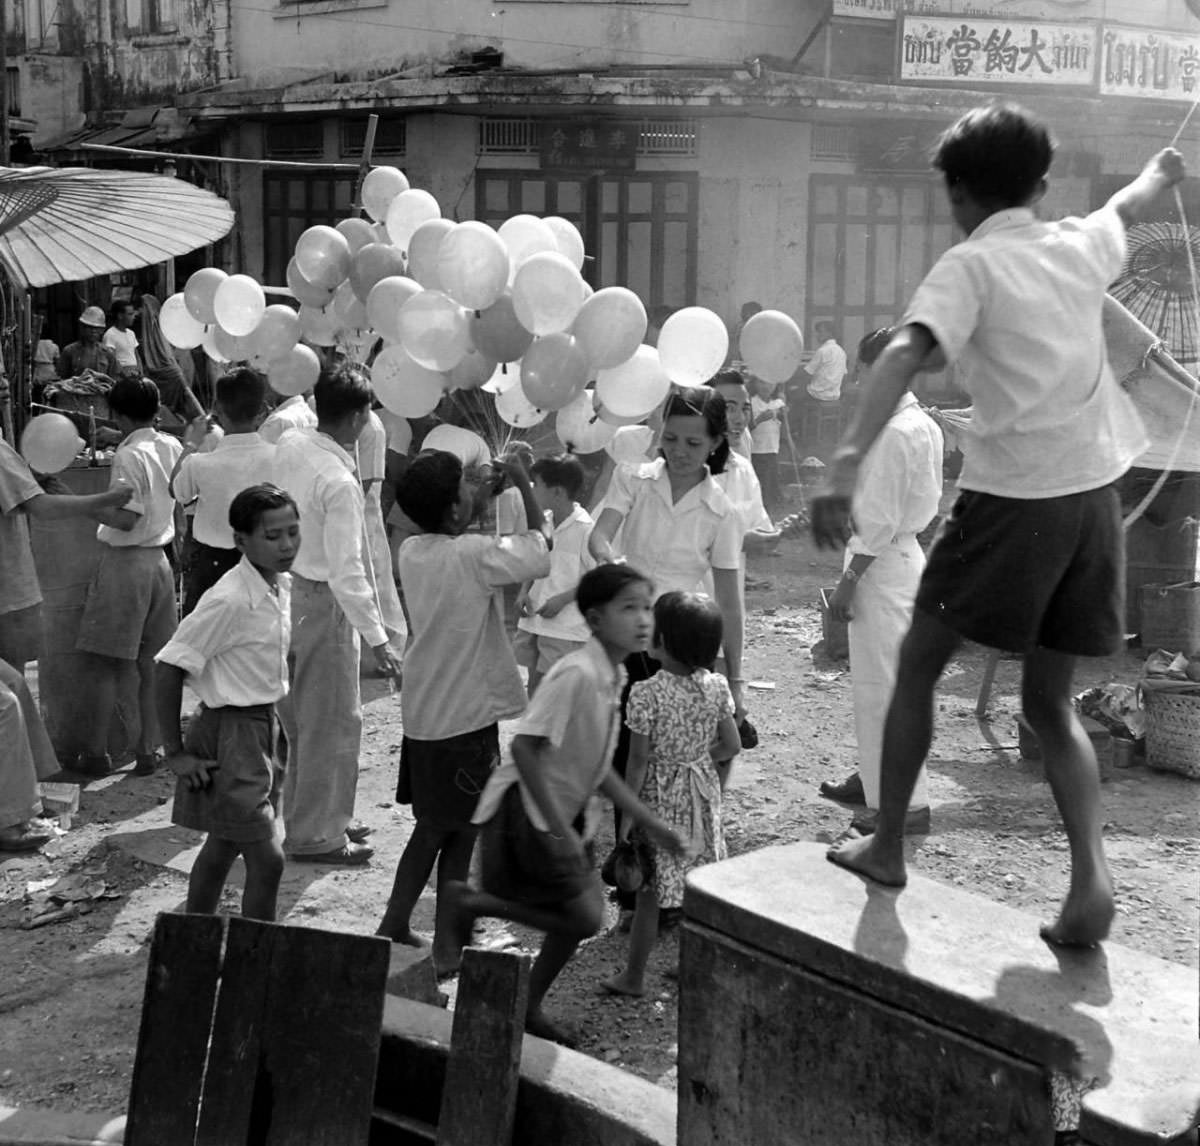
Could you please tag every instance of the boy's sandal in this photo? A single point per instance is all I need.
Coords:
(24, 837)
(357, 831)
(348, 855)
(146, 763)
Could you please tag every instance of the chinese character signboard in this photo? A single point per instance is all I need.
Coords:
(1004, 9)
(592, 144)
(954, 49)
(1150, 64)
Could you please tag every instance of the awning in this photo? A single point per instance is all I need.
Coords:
(139, 127)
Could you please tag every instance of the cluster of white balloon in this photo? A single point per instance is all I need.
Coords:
(463, 305)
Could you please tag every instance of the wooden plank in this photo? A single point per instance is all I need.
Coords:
(295, 1040)
(479, 1099)
(168, 1070)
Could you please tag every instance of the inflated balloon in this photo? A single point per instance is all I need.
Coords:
(405, 387)
(319, 327)
(372, 264)
(294, 372)
(278, 332)
(231, 347)
(305, 292)
(179, 328)
(215, 350)
(198, 293)
(407, 212)
(379, 188)
(615, 420)
(358, 233)
(497, 332)
(553, 371)
(610, 326)
(636, 386)
(49, 443)
(239, 304)
(578, 426)
(384, 302)
(568, 238)
(323, 255)
(693, 345)
(347, 309)
(771, 345)
(423, 250)
(630, 445)
(471, 373)
(473, 265)
(504, 377)
(526, 235)
(517, 410)
(547, 293)
(434, 330)
(466, 445)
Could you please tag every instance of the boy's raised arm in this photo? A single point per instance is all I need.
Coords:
(1164, 171)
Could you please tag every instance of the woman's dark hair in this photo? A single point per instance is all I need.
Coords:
(428, 489)
(689, 627)
(247, 508)
(597, 587)
(134, 398)
(560, 471)
(241, 393)
(701, 402)
(342, 390)
(998, 153)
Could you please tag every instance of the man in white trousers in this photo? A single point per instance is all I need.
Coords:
(899, 488)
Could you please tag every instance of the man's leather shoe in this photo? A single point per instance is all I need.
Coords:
(849, 791)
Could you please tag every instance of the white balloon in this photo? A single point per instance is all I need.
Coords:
(379, 188)
(693, 345)
(294, 372)
(405, 387)
(517, 410)
(466, 445)
(407, 212)
(547, 293)
(526, 235)
(423, 249)
(384, 302)
(635, 387)
(631, 445)
(179, 328)
(319, 327)
(568, 238)
(239, 304)
(579, 428)
(434, 330)
(473, 265)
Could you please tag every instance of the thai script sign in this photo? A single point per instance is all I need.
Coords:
(944, 49)
(1149, 63)
(1004, 9)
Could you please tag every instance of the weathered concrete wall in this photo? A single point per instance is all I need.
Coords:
(52, 94)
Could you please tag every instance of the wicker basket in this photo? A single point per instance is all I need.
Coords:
(1171, 617)
(1173, 732)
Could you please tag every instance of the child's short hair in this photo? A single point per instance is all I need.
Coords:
(874, 344)
(118, 308)
(248, 507)
(689, 627)
(241, 394)
(998, 153)
(342, 390)
(428, 489)
(560, 471)
(598, 586)
(726, 377)
(134, 398)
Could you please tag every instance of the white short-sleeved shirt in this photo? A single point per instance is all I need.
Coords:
(460, 673)
(234, 644)
(18, 574)
(293, 414)
(673, 543)
(741, 485)
(145, 461)
(371, 461)
(123, 343)
(569, 560)
(577, 709)
(1018, 306)
(213, 479)
(827, 367)
(765, 436)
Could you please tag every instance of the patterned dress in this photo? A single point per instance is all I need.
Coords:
(680, 715)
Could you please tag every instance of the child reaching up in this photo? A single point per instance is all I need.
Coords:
(683, 732)
(538, 811)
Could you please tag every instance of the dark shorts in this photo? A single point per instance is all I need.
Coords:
(21, 635)
(534, 868)
(1020, 574)
(129, 610)
(443, 779)
(236, 805)
(203, 566)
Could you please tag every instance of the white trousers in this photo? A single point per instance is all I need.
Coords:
(883, 608)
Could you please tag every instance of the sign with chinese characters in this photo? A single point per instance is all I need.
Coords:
(941, 49)
(1149, 63)
(589, 144)
(1004, 9)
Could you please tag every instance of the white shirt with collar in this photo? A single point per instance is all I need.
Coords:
(744, 490)
(1017, 306)
(320, 476)
(212, 480)
(900, 481)
(827, 368)
(145, 460)
(234, 644)
(673, 543)
(569, 560)
(293, 414)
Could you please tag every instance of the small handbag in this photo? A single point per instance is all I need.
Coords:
(627, 867)
(748, 734)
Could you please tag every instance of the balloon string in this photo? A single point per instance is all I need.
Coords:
(1180, 129)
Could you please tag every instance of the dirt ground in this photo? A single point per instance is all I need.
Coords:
(70, 992)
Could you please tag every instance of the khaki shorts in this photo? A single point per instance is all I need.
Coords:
(534, 651)
(129, 610)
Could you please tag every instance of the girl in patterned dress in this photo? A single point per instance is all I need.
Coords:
(681, 724)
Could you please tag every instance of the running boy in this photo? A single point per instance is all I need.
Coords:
(460, 677)
(539, 809)
(1031, 559)
(550, 625)
(232, 649)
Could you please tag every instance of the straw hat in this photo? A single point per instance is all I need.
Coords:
(92, 316)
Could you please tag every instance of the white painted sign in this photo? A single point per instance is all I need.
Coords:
(1149, 63)
(954, 49)
(1003, 9)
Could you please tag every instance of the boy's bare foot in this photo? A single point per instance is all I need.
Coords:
(1085, 918)
(460, 924)
(867, 857)
(408, 938)
(622, 985)
(537, 1023)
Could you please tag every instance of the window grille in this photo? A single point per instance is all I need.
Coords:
(833, 141)
(521, 135)
(391, 138)
(295, 139)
